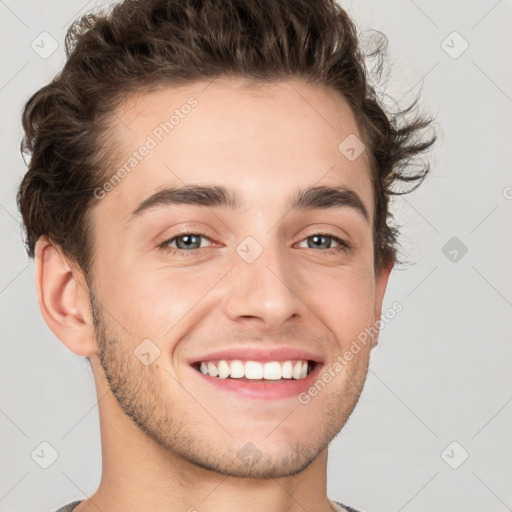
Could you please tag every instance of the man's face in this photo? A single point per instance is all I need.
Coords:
(264, 282)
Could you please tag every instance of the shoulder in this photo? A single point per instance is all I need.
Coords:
(343, 508)
(69, 507)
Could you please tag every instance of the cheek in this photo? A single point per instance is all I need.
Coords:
(344, 303)
(156, 303)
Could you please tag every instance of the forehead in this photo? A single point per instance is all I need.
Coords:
(259, 138)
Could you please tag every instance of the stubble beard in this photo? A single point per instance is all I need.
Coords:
(138, 394)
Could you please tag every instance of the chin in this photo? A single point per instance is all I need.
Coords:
(250, 462)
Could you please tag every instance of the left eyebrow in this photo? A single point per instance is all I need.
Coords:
(320, 197)
(328, 197)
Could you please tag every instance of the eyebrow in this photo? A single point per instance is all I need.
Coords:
(319, 197)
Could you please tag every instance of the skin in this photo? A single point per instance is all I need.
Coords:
(169, 441)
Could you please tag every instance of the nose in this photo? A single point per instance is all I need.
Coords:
(262, 292)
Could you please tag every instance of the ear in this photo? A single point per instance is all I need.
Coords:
(381, 283)
(63, 296)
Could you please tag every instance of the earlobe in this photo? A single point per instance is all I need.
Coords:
(63, 299)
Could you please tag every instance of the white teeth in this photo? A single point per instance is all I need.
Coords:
(255, 370)
(237, 369)
(297, 370)
(223, 369)
(272, 371)
(212, 369)
(304, 370)
(287, 370)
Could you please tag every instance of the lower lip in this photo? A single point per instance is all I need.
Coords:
(284, 388)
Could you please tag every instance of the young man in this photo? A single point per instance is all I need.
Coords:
(207, 203)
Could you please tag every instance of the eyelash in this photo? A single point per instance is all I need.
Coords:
(164, 246)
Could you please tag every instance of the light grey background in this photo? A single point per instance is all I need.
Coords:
(441, 372)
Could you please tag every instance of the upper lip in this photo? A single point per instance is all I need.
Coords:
(258, 354)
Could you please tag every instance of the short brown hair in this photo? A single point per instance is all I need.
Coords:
(142, 44)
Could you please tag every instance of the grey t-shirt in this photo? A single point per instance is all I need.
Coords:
(71, 506)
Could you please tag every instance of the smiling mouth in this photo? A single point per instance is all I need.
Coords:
(256, 371)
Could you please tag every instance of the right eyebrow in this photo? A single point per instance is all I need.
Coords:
(196, 195)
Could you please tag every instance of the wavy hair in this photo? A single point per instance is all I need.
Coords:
(139, 45)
